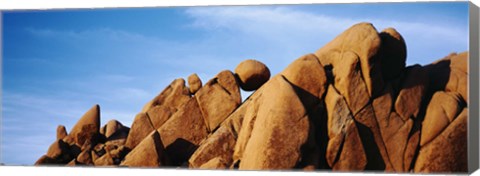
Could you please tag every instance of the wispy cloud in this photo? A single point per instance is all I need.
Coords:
(283, 25)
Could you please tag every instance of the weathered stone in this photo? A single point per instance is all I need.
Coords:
(147, 106)
(215, 163)
(216, 103)
(307, 74)
(176, 94)
(194, 83)
(382, 105)
(252, 74)
(345, 143)
(441, 111)
(149, 153)
(229, 82)
(72, 163)
(373, 144)
(61, 132)
(113, 126)
(412, 146)
(280, 130)
(87, 128)
(397, 144)
(413, 90)
(141, 127)
(448, 151)
(160, 114)
(182, 134)
(167, 102)
(248, 122)
(222, 142)
(364, 41)
(352, 155)
(393, 53)
(349, 81)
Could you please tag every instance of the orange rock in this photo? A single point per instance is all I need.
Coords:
(397, 144)
(61, 132)
(349, 81)
(194, 83)
(443, 108)
(308, 75)
(280, 130)
(104, 160)
(59, 151)
(160, 114)
(182, 134)
(141, 127)
(113, 126)
(216, 103)
(222, 142)
(363, 40)
(87, 128)
(413, 90)
(448, 151)
(252, 74)
(345, 143)
(149, 153)
(168, 101)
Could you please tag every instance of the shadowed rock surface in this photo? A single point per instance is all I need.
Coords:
(352, 105)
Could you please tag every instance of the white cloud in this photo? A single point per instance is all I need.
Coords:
(289, 28)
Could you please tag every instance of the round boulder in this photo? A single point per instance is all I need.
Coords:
(252, 74)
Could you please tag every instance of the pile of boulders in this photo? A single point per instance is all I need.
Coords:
(353, 105)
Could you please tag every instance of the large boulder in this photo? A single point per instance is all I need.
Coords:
(448, 151)
(441, 111)
(182, 134)
(280, 130)
(217, 100)
(252, 74)
(149, 153)
(363, 40)
(308, 77)
(87, 128)
(164, 105)
(141, 127)
(345, 151)
(222, 142)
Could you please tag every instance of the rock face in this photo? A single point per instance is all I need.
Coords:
(352, 105)
(252, 74)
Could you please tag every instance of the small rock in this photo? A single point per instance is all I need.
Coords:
(194, 83)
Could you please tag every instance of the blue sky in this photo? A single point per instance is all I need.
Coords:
(59, 63)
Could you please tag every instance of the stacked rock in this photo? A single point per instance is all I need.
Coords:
(352, 105)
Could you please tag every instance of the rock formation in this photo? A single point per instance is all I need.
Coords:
(352, 105)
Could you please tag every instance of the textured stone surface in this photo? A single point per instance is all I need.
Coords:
(182, 134)
(141, 127)
(448, 151)
(149, 153)
(412, 92)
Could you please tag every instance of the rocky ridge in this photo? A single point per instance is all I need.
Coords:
(352, 105)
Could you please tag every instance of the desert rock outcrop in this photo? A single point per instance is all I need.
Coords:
(352, 105)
